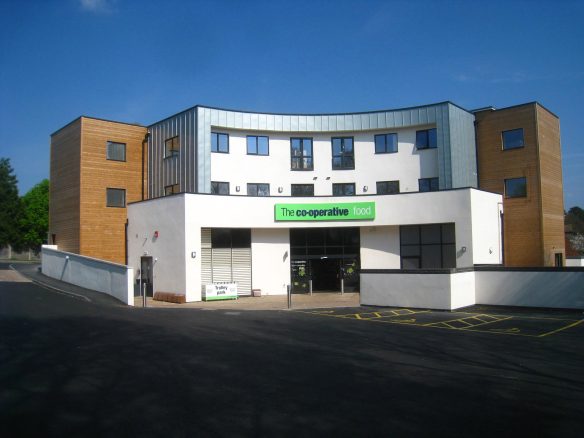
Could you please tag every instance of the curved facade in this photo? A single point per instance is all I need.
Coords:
(195, 166)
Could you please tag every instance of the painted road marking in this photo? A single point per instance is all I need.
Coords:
(472, 322)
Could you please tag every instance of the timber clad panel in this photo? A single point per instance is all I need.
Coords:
(552, 192)
(102, 231)
(532, 224)
(64, 187)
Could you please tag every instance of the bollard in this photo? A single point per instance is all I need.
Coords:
(289, 297)
(342, 286)
(144, 303)
(310, 286)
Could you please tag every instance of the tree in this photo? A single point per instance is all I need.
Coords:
(34, 223)
(10, 205)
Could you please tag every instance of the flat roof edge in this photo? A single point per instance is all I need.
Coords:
(96, 118)
(446, 102)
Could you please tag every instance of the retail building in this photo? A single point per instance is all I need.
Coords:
(270, 200)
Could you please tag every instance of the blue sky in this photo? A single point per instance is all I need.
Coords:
(141, 61)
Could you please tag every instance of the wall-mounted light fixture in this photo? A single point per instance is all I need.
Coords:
(365, 188)
(237, 188)
(156, 234)
(314, 178)
(193, 254)
(328, 177)
(463, 249)
(280, 189)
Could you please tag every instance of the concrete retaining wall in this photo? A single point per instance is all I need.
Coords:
(98, 275)
(453, 289)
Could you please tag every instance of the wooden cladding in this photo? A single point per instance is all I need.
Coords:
(95, 230)
(533, 225)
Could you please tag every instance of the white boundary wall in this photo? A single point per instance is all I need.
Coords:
(575, 261)
(562, 289)
(98, 275)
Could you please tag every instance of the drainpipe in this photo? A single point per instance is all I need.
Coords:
(144, 143)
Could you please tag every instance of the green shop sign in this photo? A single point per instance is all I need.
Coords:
(346, 211)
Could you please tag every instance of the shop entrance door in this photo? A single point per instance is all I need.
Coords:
(326, 275)
(324, 256)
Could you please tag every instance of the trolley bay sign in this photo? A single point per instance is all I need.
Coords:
(346, 211)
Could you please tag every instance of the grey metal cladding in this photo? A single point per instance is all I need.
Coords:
(455, 129)
(463, 148)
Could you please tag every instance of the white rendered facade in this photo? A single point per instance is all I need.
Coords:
(179, 219)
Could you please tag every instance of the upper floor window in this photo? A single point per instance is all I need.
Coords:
(302, 189)
(428, 184)
(115, 151)
(385, 143)
(219, 142)
(219, 188)
(344, 189)
(516, 187)
(171, 190)
(426, 139)
(513, 139)
(171, 147)
(343, 153)
(258, 145)
(257, 189)
(115, 197)
(387, 187)
(301, 154)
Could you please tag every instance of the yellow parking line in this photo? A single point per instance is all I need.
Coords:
(561, 328)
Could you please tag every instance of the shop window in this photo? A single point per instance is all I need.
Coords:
(512, 139)
(428, 246)
(219, 142)
(426, 139)
(516, 187)
(219, 188)
(115, 197)
(171, 147)
(301, 154)
(387, 187)
(257, 189)
(115, 151)
(343, 153)
(302, 189)
(344, 189)
(428, 185)
(171, 190)
(386, 143)
(258, 145)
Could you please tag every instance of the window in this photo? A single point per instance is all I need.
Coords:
(426, 139)
(516, 188)
(387, 187)
(219, 142)
(385, 143)
(344, 189)
(343, 153)
(115, 151)
(427, 246)
(219, 188)
(230, 238)
(255, 189)
(258, 145)
(171, 190)
(301, 153)
(302, 189)
(428, 184)
(116, 197)
(171, 147)
(513, 139)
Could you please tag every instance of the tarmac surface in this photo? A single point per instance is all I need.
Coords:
(76, 363)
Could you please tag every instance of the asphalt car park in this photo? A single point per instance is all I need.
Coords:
(87, 367)
(536, 323)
